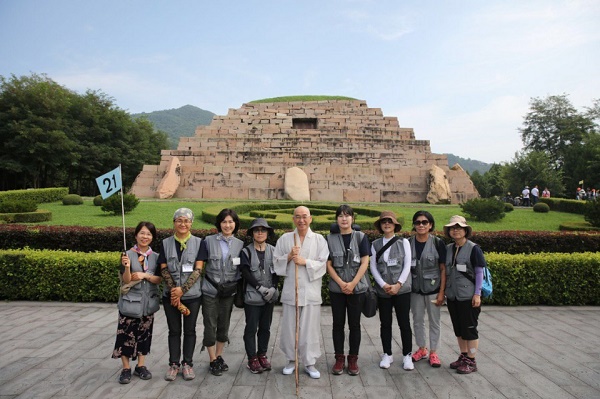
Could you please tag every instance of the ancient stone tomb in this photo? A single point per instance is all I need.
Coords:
(331, 150)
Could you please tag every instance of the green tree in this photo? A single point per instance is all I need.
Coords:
(530, 169)
(53, 136)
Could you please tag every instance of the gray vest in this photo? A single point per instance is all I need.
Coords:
(345, 263)
(458, 286)
(263, 276)
(220, 270)
(426, 274)
(391, 274)
(176, 266)
(143, 299)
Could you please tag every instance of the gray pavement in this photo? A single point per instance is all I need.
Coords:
(62, 350)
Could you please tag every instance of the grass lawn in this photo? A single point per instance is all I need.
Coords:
(160, 213)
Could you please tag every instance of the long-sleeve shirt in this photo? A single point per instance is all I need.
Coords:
(405, 267)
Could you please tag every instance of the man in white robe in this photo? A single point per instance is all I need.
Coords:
(309, 251)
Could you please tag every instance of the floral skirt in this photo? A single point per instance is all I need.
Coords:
(134, 336)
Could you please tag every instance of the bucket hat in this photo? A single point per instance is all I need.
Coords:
(259, 222)
(458, 220)
(388, 215)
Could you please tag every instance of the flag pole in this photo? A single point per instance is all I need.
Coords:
(123, 212)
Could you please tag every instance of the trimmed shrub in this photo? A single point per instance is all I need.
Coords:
(508, 207)
(565, 205)
(592, 213)
(16, 206)
(541, 207)
(484, 209)
(39, 195)
(113, 203)
(98, 201)
(27, 217)
(72, 199)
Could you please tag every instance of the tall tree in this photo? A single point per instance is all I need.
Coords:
(530, 169)
(55, 137)
(552, 126)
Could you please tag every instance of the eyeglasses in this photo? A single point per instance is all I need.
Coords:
(456, 227)
(386, 221)
(259, 230)
(182, 221)
(421, 222)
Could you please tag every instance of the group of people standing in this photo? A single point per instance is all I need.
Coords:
(411, 275)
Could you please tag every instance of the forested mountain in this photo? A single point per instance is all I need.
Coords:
(179, 122)
(470, 165)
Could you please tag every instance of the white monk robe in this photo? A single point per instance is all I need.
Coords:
(316, 251)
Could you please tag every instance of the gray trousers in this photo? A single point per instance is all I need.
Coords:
(418, 305)
(309, 349)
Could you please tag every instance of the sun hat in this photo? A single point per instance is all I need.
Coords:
(458, 220)
(388, 215)
(259, 222)
(183, 212)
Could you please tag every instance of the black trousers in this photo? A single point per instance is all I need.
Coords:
(342, 304)
(257, 318)
(174, 318)
(401, 304)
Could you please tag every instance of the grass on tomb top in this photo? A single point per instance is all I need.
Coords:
(160, 212)
(301, 98)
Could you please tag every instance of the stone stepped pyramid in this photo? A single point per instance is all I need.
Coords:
(349, 152)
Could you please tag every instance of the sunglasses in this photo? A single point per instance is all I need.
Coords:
(386, 221)
(259, 230)
(421, 222)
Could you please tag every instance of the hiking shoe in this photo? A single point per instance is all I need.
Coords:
(353, 365)
(458, 362)
(386, 360)
(254, 365)
(125, 377)
(420, 354)
(434, 360)
(142, 372)
(264, 362)
(469, 365)
(338, 367)
(289, 369)
(215, 368)
(188, 372)
(171, 373)
(407, 363)
(222, 364)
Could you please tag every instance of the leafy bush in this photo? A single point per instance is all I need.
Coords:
(98, 201)
(541, 207)
(484, 209)
(592, 213)
(72, 199)
(27, 217)
(565, 205)
(17, 206)
(113, 203)
(38, 195)
(508, 207)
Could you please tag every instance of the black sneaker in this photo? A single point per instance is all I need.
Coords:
(125, 377)
(215, 367)
(224, 366)
(142, 372)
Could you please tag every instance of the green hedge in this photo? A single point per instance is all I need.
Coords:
(565, 205)
(27, 217)
(539, 279)
(88, 239)
(39, 195)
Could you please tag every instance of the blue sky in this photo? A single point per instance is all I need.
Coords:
(460, 73)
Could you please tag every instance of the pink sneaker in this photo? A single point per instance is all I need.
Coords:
(420, 354)
(434, 360)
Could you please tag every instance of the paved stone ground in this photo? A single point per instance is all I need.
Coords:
(62, 350)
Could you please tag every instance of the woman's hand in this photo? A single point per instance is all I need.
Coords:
(125, 260)
(439, 301)
(137, 276)
(176, 294)
(393, 290)
(476, 301)
(348, 288)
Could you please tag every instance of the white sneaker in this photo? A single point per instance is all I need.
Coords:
(289, 369)
(386, 360)
(407, 362)
(313, 372)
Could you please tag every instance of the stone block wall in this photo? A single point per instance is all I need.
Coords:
(350, 153)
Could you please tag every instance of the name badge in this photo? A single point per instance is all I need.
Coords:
(413, 263)
(236, 261)
(356, 259)
(461, 267)
(392, 262)
(187, 268)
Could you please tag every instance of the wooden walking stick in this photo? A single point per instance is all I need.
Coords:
(297, 325)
